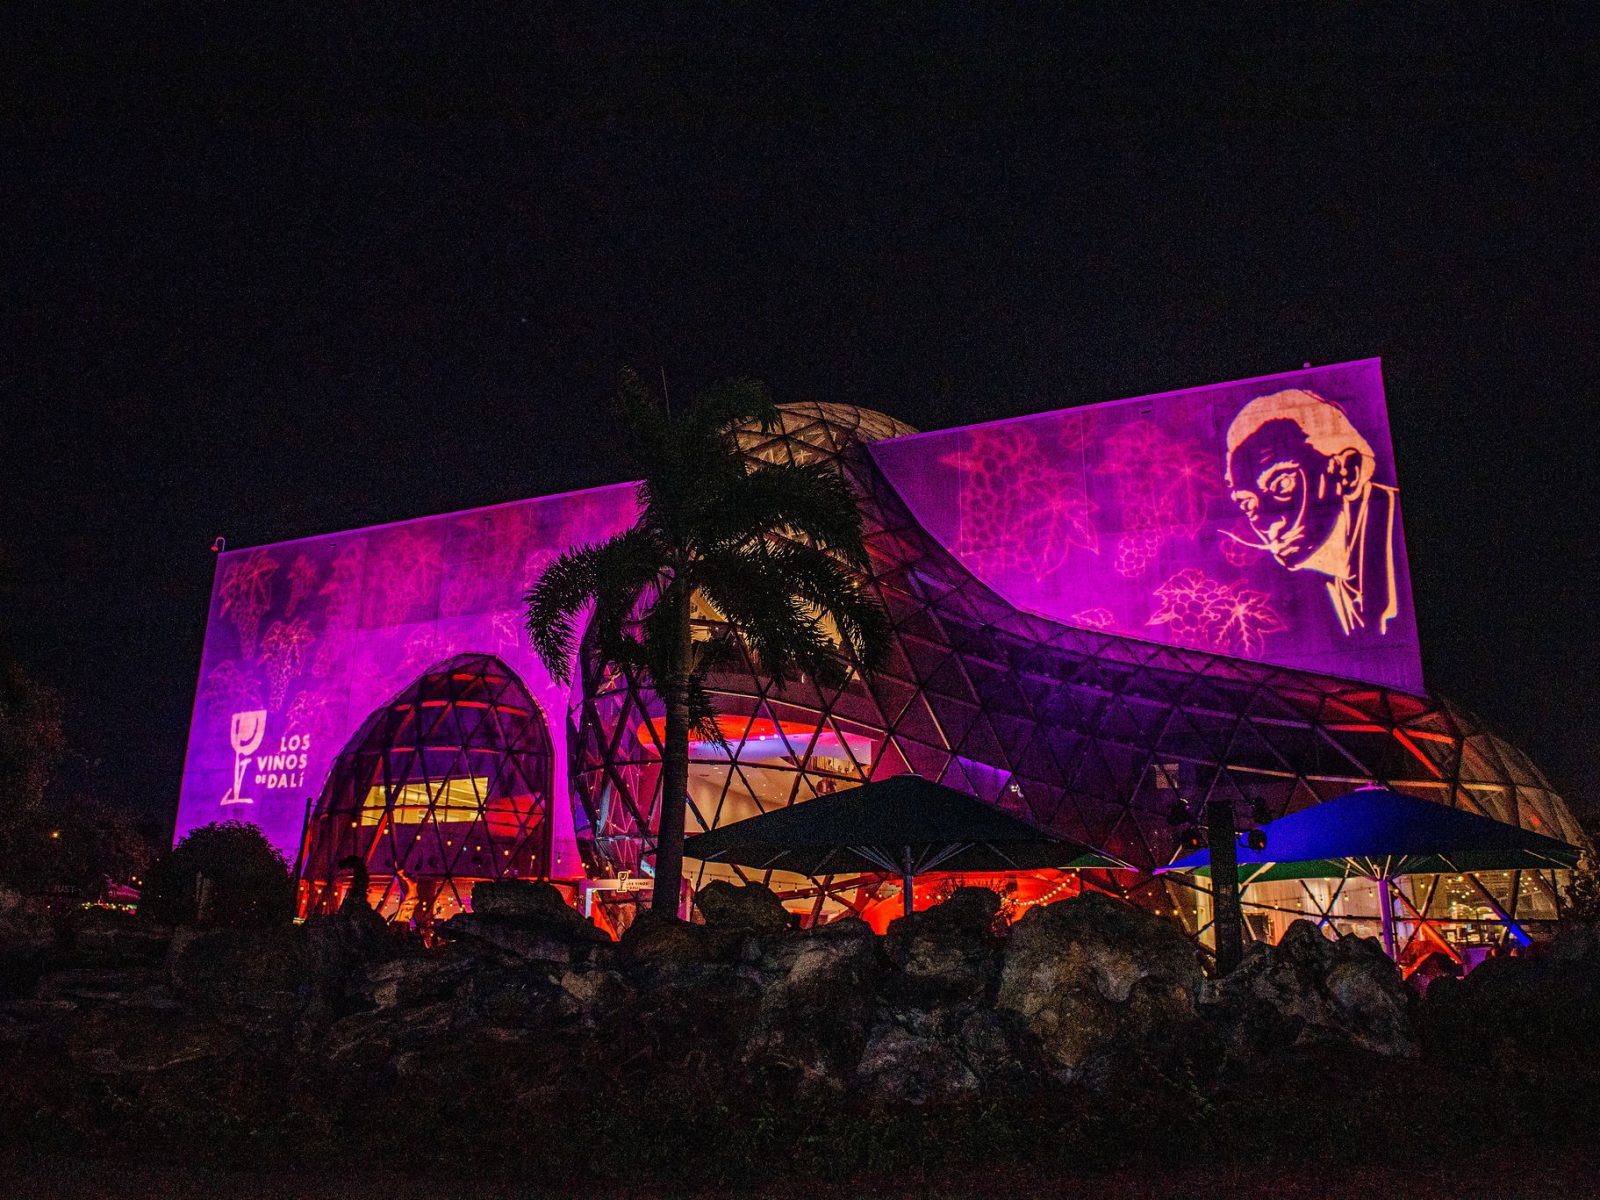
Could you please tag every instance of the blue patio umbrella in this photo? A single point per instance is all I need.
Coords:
(1381, 835)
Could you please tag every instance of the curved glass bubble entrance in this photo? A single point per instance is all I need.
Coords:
(447, 784)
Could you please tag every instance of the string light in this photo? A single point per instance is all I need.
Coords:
(1046, 898)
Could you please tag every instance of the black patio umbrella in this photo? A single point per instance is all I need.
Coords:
(902, 826)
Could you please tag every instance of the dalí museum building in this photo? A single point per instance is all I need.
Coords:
(1096, 612)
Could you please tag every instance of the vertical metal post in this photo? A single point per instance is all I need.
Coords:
(300, 862)
(906, 878)
(305, 845)
(1227, 912)
(1386, 914)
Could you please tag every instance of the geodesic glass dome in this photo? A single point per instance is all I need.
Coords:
(1090, 734)
(447, 784)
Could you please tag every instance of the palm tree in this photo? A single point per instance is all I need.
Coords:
(771, 555)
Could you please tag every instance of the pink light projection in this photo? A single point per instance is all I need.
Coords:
(305, 639)
(1257, 519)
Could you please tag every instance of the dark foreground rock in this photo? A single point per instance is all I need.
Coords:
(523, 920)
(1091, 976)
(951, 949)
(1309, 988)
(1511, 1011)
(754, 907)
(336, 1032)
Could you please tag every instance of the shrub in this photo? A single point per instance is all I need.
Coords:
(246, 877)
(1580, 901)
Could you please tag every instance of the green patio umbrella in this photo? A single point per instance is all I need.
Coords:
(904, 825)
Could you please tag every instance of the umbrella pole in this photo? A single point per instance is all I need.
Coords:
(1386, 914)
(906, 878)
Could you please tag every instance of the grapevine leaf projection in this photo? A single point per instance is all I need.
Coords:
(283, 654)
(1088, 733)
(247, 594)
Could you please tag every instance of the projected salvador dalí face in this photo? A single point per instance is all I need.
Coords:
(1302, 475)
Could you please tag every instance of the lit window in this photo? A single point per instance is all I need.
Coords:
(449, 800)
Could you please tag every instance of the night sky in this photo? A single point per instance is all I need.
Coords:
(273, 281)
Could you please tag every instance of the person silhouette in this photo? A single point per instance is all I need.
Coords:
(356, 895)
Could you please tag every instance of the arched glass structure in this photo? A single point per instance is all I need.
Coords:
(447, 784)
(1091, 734)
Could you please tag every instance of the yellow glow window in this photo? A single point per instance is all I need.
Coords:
(459, 799)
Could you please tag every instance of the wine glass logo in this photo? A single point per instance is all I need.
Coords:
(245, 734)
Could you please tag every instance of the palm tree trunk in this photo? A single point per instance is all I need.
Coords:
(1227, 912)
(674, 771)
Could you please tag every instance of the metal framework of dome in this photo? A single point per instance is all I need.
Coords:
(447, 784)
(1089, 734)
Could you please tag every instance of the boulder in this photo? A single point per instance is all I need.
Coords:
(106, 937)
(516, 999)
(591, 990)
(901, 1067)
(510, 936)
(126, 987)
(367, 1039)
(753, 907)
(814, 1012)
(418, 979)
(39, 1021)
(533, 903)
(987, 1046)
(154, 1047)
(524, 920)
(342, 946)
(1324, 990)
(655, 936)
(340, 951)
(252, 972)
(1090, 976)
(1003, 1057)
(1544, 1009)
(949, 950)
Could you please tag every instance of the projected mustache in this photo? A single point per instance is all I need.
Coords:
(1261, 543)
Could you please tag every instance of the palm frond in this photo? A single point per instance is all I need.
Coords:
(822, 590)
(811, 501)
(703, 713)
(778, 551)
(607, 575)
(787, 633)
(731, 402)
(718, 652)
(645, 424)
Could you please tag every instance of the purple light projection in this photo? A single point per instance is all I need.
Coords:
(305, 639)
(1258, 519)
